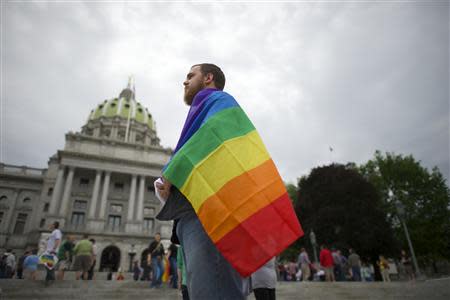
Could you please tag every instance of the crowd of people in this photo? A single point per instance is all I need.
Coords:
(333, 265)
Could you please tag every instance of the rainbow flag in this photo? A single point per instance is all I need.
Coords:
(223, 168)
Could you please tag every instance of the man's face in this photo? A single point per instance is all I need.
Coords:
(157, 237)
(193, 84)
(51, 226)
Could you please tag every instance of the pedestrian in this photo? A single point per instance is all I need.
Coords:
(30, 265)
(304, 262)
(10, 263)
(354, 263)
(264, 281)
(83, 253)
(366, 272)
(338, 268)
(136, 270)
(155, 258)
(405, 260)
(326, 261)
(65, 256)
(172, 257)
(181, 270)
(94, 260)
(219, 147)
(384, 268)
(53, 242)
(292, 270)
(20, 264)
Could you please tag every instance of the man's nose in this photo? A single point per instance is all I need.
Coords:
(185, 82)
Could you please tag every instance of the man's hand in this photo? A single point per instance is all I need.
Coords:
(164, 188)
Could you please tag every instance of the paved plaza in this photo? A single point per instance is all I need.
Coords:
(99, 290)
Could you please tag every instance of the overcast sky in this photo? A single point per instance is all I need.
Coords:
(354, 76)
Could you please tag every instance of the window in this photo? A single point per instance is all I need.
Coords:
(84, 182)
(78, 204)
(148, 224)
(46, 207)
(118, 186)
(149, 211)
(3, 199)
(42, 223)
(1, 216)
(114, 222)
(77, 220)
(19, 228)
(26, 200)
(140, 110)
(116, 208)
(50, 192)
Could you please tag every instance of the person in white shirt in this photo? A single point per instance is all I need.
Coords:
(53, 242)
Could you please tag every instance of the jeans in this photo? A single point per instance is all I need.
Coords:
(356, 271)
(158, 270)
(209, 275)
(174, 273)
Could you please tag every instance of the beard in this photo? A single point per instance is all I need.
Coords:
(190, 93)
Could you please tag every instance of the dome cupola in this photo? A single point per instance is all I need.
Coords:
(122, 118)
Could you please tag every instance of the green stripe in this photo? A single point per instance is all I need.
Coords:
(226, 124)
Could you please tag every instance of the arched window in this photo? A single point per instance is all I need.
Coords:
(26, 200)
(3, 199)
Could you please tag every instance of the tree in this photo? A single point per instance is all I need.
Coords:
(425, 197)
(344, 210)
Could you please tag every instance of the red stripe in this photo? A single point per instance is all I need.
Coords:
(261, 236)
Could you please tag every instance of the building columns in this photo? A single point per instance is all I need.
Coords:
(104, 195)
(132, 198)
(57, 191)
(66, 194)
(7, 223)
(94, 198)
(140, 207)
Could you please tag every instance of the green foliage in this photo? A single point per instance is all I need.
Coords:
(344, 210)
(426, 199)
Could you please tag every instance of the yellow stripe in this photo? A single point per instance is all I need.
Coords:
(230, 159)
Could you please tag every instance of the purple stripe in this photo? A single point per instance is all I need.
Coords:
(194, 111)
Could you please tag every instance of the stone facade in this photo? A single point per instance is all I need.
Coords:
(100, 184)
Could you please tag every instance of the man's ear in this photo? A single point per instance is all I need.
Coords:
(209, 78)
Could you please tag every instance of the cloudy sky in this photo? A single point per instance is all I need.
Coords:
(356, 76)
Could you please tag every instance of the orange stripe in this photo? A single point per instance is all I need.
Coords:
(240, 198)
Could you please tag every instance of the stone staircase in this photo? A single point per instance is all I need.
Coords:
(102, 290)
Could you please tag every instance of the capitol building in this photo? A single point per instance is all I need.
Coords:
(100, 184)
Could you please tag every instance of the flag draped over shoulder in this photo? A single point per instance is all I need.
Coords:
(223, 168)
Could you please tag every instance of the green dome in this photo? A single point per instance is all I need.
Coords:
(124, 107)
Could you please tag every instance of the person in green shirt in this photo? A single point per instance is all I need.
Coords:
(181, 269)
(65, 254)
(83, 252)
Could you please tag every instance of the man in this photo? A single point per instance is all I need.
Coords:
(200, 255)
(304, 262)
(94, 260)
(181, 270)
(155, 258)
(326, 261)
(65, 254)
(20, 264)
(30, 265)
(83, 252)
(172, 257)
(53, 242)
(10, 263)
(354, 263)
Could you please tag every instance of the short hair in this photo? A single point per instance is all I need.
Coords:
(56, 224)
(92, 241)
(157, 233)
(218, 75)
(34, 251)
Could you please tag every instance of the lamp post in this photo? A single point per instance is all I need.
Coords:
(401, 215)
(131, 253)
(312, 238)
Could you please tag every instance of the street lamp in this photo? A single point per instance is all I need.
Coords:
(401, 216)
(312, 238)
(131, 253)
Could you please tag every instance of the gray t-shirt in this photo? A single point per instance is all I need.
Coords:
(266, 276)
